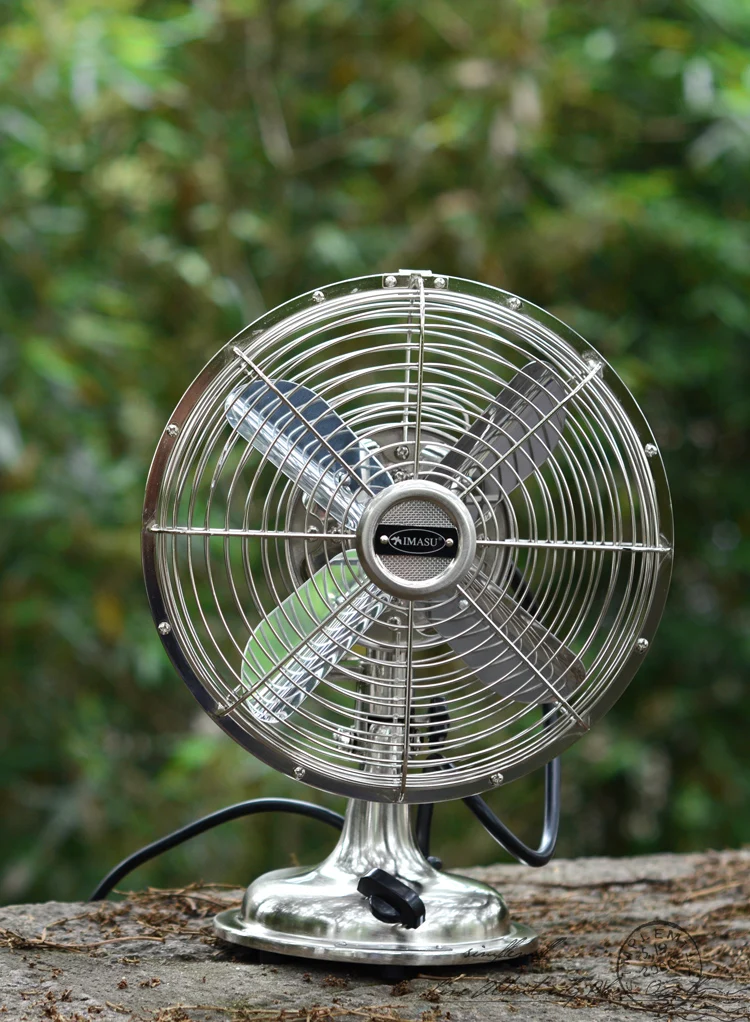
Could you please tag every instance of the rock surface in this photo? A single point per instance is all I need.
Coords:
(152, 957)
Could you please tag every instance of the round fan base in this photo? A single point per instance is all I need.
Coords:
(404, 947)
(318, 912)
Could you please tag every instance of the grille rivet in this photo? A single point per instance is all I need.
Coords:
(496, 779)
(514, 303)
(594, 365)
(384, 540)
(449, 542)
(641, 645)
(439, 281)
(299, 773)
(650, 450)
(164, 628)
(402, 452)
(172, 429)
(390, 280)
(318, 296)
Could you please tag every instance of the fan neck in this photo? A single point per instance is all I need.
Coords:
(378, 834)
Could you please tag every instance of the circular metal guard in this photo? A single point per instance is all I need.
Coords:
(318, 657)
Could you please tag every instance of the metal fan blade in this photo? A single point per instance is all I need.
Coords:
(515, 417)
(514, 426)
(506, 647)
(303, 436)
(300, 642)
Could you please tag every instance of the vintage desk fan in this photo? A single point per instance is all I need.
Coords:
(406, 538)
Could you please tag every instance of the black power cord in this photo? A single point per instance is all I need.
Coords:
(497, 829)
(476, 804)
(492, 824)
(256, 805)
(511, 842)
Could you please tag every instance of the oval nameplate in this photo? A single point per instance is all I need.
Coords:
(416, 541)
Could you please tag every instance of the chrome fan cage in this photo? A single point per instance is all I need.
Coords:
(387, 707)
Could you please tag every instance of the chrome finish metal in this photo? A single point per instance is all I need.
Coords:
(415, 503)
(318, 913)
(407, 278)
(517, 432)
(297, 645)
(594, 364)
(513, 654)
(227, 536)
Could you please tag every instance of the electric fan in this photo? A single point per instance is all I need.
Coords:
(406, 538)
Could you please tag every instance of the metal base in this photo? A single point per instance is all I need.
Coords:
(318, 913)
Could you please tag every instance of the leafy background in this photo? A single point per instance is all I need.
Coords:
(171, 169)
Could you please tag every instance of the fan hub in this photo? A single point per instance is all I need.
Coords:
(416, 539)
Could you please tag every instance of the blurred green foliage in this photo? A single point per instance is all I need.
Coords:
(171, 169)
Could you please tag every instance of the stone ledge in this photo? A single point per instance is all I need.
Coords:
(152, 958)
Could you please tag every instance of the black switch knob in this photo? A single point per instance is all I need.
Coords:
(391, 900)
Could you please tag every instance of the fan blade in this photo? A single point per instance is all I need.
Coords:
(511, 653)
(302, 435)
(514, 417)
(290, 627)
(521, 439)
(310, 443)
